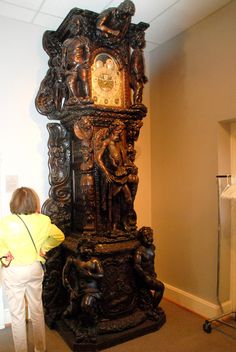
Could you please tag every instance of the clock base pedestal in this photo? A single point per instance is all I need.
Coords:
(125, 309)
(108, 340)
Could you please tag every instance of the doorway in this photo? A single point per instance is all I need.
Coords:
(227, 213)
(233, 216)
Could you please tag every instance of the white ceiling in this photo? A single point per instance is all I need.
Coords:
(167, 18)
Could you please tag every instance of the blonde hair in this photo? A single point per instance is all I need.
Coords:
(24, 200)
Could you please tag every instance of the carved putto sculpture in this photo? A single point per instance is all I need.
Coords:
(144, 265)
(100, 286)
(82, 283)
(75, 58)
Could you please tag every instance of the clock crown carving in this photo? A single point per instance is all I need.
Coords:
(90, 62)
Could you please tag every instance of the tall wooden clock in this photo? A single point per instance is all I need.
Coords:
(93, 92)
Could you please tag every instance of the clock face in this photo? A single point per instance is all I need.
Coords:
(107, 81)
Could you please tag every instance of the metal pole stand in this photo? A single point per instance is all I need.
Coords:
(221, 319)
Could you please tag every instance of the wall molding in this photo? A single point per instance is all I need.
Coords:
(195, 304)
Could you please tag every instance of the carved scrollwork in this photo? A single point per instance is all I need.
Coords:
(58, 206)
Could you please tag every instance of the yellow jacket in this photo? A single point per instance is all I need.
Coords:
(14, 237)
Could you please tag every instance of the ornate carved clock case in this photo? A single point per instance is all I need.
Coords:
(100, 286)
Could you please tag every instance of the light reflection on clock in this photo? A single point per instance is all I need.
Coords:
(105, 82)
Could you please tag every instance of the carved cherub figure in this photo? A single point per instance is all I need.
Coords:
(114, 21)
(83, 130)
(83, 285)
(137, 69)
(75, 57)
(144, 264)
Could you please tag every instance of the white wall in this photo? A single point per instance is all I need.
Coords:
(23, 135)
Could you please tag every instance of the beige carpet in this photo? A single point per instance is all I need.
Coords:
(182, 333)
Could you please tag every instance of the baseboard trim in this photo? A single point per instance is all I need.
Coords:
(196, 304)
(187, 300)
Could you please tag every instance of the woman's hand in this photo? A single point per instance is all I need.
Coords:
(6, 259)
(9, 257)
(42, 253)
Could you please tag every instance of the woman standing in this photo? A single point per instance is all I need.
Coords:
(25, 237)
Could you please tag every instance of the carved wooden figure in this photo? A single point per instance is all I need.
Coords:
(97, 291)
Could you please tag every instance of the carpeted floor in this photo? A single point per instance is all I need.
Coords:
(182, 332)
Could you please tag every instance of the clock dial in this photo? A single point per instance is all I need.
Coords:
(107, 81)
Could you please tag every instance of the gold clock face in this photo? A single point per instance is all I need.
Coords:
(107, 81)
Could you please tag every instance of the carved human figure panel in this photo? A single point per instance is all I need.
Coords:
(116, 169)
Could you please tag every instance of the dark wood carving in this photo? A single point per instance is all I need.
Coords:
(100, 286)
(58, 206)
